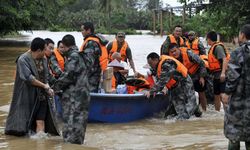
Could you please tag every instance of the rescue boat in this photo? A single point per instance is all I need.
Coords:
(122, 108)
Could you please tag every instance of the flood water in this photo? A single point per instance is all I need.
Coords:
(204, 133)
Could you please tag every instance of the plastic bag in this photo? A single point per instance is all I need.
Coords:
(121, 89)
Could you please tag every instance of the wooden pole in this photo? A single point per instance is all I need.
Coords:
(161, 23)
(170, 17)
(183, 16)
(190, 11)
(154, 22)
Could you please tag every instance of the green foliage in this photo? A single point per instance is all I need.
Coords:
(26, 15)
(56, 15)
(13, 17)
(110, 16)
(222, 16)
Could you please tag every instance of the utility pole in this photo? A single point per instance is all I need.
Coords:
(170, 17)
(161, 22)
(154, 22)
(183, 15)
(190, 11)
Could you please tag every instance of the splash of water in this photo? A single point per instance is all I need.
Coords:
(39, 135)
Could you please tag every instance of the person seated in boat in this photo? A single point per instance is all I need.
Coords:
(173, 75)
(118, 78)
(118, 57)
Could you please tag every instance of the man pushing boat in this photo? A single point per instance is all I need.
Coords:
(173, 74)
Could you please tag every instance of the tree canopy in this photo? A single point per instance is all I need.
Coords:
(223, 16)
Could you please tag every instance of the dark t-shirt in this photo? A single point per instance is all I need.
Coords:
(219, 53)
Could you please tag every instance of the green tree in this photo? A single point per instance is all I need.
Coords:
(107, 6)
(223, 16)
(13, 17)
(26, 15)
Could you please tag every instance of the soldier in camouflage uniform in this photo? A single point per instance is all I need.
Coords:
(182, 94)
(92, 52)
(122, 48)
(176, 38)
(237, 94)
(54, 63)
(196, 69)
(195, 44)
(75, 98)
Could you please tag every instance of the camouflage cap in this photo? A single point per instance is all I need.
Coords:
(191, 33)
(122, 34)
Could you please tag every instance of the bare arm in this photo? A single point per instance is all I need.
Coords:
(131, 62)
(224, 68)
(38, 83)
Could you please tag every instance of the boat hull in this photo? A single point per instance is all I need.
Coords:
(120, 108)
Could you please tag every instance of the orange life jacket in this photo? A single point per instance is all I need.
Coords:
(192, 67)
(194, 46)
(180, 68)
(104, 56)
(59, 58)
(205, 60)
(115, 49)
(151, 81)
(146, 83)
(173, 40)
(113, 82)
(139, 88)
(131, 89)
(145, 86)
(214, 63)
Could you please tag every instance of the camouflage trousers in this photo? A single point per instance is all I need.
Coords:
(75, 116)
(235, 145)
(94, 82)
(183, 99)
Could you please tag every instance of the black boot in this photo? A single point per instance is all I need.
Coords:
(198, 112)
(170, 112)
